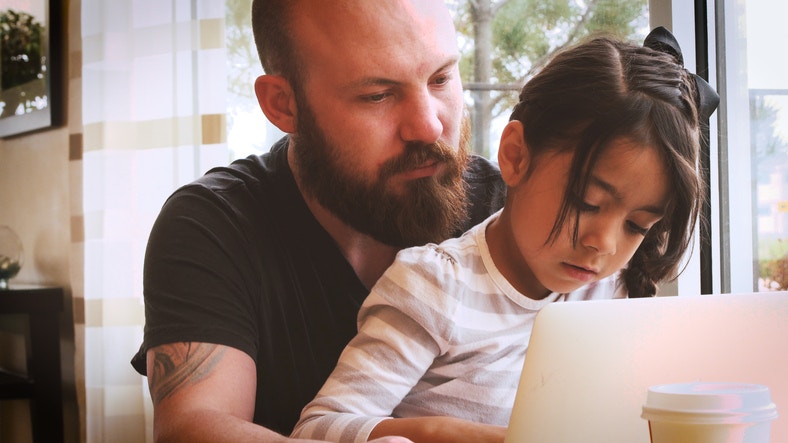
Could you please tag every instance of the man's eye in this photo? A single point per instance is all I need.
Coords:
(441, 80)
(376, 98)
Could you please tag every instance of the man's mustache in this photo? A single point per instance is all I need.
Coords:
(419, 154)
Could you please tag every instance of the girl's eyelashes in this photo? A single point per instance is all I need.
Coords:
(587, 207)
(583, 206)
(637, 229)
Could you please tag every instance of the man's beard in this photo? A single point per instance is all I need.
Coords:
(430, 209)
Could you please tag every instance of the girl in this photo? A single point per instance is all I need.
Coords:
(601, 162)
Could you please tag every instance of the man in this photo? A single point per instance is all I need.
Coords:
(255, 272)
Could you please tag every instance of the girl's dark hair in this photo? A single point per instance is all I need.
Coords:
(602, 90)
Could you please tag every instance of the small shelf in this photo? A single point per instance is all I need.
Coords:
(42, 384)
(14, 385)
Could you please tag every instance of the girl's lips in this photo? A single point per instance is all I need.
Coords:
(579, 273)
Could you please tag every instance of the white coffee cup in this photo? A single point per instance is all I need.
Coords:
(702, 412)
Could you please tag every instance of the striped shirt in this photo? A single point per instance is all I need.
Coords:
(441, 333)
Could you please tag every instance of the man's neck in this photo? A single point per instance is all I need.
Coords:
(368, 257)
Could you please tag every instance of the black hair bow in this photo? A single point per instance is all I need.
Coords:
(660, 39)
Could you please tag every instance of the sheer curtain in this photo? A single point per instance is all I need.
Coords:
(153, 111)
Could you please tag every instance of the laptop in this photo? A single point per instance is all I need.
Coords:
(590, 363)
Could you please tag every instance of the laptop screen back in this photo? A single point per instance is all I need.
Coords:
(589, 364)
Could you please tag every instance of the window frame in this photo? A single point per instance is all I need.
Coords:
(710, 34)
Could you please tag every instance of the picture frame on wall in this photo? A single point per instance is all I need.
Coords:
(31, 93)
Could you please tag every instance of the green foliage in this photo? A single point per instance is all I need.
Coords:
(519, 30)
(616, 17)
(527, 32)
(244, 64)
(773, 268)
(22, 48)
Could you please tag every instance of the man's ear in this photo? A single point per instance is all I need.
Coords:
(277, 101)
(513, 155)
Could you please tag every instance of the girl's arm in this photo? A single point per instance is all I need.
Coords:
(377, 369)
(439, 430)
(405, 324)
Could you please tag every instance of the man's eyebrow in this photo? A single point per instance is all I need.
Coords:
(610, 189)
(448, 65)
(383, 81)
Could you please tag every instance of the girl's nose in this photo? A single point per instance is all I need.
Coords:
(599, 235)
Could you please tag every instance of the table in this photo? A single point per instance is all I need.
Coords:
(42, 384)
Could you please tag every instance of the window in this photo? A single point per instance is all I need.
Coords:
(248, 131)
(753, 146)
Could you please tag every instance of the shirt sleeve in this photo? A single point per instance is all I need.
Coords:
(397, 342)
(196, 274)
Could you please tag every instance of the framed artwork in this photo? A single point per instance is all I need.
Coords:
(31, 36)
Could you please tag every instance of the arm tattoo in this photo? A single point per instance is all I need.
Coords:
(182, 364)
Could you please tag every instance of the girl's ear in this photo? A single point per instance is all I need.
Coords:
(513, 155)
(277, 101)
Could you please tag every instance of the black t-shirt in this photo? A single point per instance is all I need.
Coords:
(236, 258)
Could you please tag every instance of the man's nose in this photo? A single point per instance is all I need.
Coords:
(421, 122)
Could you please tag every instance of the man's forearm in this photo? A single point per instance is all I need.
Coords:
(214, 427)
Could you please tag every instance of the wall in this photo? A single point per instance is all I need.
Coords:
(35, 201)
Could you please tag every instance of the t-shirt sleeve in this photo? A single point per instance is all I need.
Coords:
(195, 283)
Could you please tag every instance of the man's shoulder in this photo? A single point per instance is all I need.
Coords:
(486, 189)
(481, 169)
(254, 172)
(256, 167)
(249, 190)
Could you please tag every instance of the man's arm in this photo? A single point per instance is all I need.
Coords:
(204, 392)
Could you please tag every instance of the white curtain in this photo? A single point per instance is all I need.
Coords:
(153, 115)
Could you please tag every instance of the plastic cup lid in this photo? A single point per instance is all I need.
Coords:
(702, 402)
